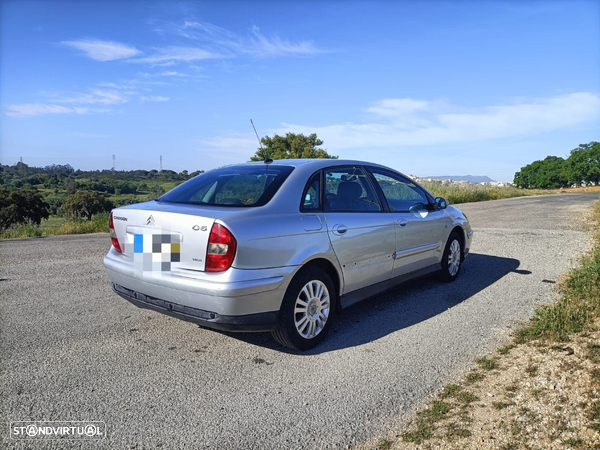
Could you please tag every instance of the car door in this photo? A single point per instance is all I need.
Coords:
(419, 227)
(360, 230)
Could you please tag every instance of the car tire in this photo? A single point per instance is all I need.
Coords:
(452, 258)
(307, 310)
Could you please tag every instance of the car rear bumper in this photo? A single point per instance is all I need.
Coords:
(203, 296)
(266, 321)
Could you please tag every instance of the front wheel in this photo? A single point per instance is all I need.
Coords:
(306, 311)
(452, 258)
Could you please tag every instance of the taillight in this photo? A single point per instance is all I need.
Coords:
(221, 249)
(113, 233)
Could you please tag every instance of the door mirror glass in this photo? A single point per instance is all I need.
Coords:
(441, 202)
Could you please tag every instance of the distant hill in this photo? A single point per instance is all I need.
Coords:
(469, 178)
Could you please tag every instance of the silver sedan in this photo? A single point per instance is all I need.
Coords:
(282, 246)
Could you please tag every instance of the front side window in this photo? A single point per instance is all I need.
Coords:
(400, 192)
(252, 185)
(348, 189)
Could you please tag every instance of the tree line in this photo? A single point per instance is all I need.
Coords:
(582, 167)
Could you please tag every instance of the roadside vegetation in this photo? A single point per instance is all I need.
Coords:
(541, 390)
(57, 199)
(582, 167)
(465, 193)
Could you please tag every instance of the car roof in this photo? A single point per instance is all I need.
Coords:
(316, 163)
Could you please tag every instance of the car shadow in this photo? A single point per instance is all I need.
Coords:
(407, 305)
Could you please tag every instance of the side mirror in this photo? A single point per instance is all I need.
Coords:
(417, 207)
(441, 202)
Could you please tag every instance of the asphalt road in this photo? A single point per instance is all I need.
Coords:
(73, 350)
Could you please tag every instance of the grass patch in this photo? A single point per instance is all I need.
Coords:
(453, 431)
(98, 224)
(420, 434)
(474, 377)
(438, 410)
(593, 352)
(594, 412)
(507, 348)
(384, 444)
(450, 390)
(487, 363)
(574, 442)
(23, 231)
(500, 405)
(466, 397)
(55, 225)
(580, 303)
(531, 370)
(51, 223)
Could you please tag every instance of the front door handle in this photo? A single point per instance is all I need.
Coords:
(340, 229)
(401, 223)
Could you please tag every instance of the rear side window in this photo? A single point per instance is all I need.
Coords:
(311, 201)
(241, 186)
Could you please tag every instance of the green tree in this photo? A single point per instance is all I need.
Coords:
(291, 146)
(583, 164)
(86, 204)
(21, 207)
(157, 190)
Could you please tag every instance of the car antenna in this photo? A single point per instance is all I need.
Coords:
(267, 159)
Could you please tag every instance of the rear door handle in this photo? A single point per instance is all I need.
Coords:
(340, 229)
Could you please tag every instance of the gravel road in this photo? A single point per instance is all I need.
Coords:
(73, 350)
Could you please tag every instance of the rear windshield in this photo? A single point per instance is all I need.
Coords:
(231, 186)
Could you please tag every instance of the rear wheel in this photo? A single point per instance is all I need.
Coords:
(307, 309)
(452, 258)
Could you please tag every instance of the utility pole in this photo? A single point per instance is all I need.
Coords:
(160, 164)
(113, 166)
(21, 159)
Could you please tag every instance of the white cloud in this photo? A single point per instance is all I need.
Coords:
(155, 98)
(93, 96)
(393, 125)
(264, 47)
(36, 109)
(225, 43)
(174, 74)
(169, 55)
(398, 106)
(103, 50)
(410, 122)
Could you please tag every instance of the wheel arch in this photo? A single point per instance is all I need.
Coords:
(463, 239)
(328, 267)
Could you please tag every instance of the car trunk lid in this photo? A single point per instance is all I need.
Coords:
(159, 237)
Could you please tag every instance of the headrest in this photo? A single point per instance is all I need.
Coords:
(349, 190)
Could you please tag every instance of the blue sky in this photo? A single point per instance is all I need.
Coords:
(428, 87)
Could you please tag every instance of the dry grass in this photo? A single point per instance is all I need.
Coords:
(457, 193)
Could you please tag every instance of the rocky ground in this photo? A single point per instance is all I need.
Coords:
(533, 396)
